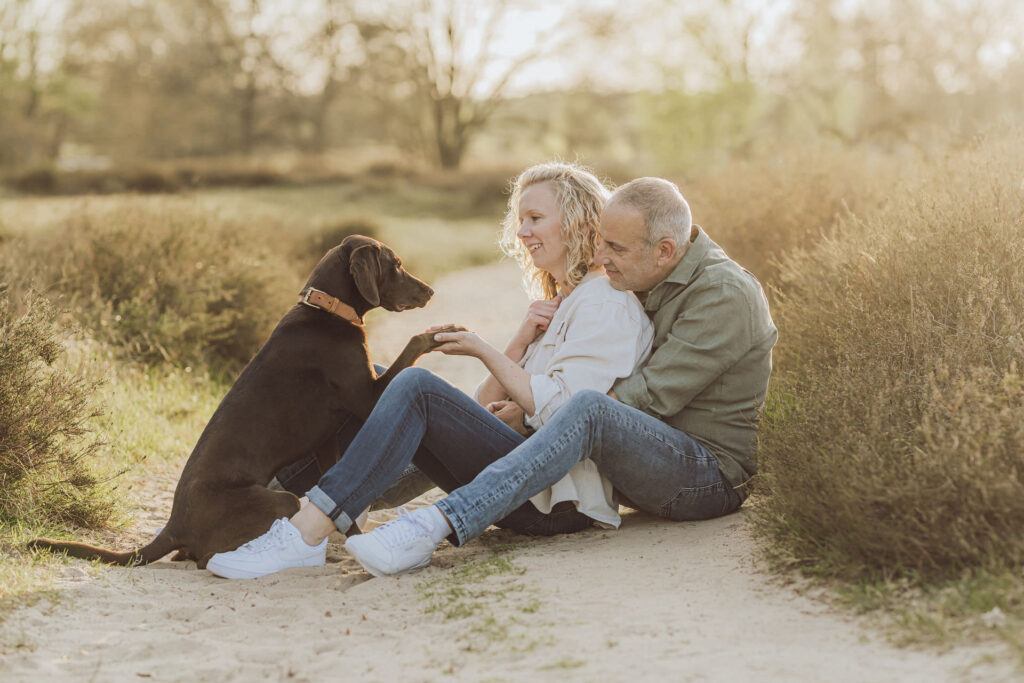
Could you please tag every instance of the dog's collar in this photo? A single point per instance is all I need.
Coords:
(315, 298)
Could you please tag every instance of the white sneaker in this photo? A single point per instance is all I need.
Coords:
(402, 545)
(280, 548)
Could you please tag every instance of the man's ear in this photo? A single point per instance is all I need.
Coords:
(667, 249)
(364, 265)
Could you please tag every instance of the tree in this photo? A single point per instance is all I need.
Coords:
(441, 60)
(37, 96)
(885, 70)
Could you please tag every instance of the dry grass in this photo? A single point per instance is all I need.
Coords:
(45, 414)
(165, 286)
(760, 210)
(892, 444)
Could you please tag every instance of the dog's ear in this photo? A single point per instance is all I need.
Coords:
(364, 265)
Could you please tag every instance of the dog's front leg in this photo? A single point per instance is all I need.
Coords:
(418, 345)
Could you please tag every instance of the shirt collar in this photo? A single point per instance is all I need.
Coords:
(683, 272)
(594, 274)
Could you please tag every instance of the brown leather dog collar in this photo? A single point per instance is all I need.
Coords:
(315, 298)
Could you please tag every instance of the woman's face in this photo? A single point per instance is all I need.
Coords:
(540, 229)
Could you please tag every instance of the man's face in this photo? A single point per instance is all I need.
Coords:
(630, 263)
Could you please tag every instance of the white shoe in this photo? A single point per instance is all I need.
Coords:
(402, 545)
(280, 548)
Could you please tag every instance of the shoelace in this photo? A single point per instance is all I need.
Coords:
(401, 530)
(274, 537)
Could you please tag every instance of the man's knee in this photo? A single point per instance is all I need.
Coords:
(588, 398)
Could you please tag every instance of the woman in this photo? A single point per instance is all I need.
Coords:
(582, 334)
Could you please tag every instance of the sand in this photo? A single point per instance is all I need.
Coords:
(654, 600)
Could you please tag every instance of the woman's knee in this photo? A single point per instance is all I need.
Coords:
(411, 379)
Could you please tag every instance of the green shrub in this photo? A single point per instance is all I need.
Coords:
(45, 410)
(310, 248)
(165, 284)
(894, 435)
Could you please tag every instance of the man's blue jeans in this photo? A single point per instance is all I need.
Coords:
(659, 469)
(449, 436)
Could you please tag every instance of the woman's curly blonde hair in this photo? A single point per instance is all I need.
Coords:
(580, 196)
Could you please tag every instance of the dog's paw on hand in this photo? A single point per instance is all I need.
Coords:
(427, 338)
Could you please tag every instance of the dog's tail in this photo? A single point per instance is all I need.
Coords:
(157, 548)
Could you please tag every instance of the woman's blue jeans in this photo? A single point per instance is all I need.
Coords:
(450, 437)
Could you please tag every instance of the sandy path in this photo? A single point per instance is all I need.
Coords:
(652, 601)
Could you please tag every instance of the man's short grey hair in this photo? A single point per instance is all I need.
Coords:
(661, 204)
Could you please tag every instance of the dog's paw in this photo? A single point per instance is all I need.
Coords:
(425, 341)
(433, 343)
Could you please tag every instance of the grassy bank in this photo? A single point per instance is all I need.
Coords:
(891, 451)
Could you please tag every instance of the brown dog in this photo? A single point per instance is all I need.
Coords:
(286, 403)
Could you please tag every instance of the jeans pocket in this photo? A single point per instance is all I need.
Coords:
(706, 502)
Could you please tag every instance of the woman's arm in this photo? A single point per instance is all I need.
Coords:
(506, 372)
(537, 319)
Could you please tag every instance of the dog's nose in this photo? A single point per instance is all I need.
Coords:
(430, 291)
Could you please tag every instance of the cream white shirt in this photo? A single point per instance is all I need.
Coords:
(597, 335)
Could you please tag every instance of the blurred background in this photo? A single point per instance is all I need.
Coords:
(652, 86)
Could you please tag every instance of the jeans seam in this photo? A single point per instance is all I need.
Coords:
(378, 464)
(643, 430)
(466, 413)
(513, 483)
(453, 407)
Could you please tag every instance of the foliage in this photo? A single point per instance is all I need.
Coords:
(150, 178)
(685, 132)
(892, 440)
(45, 441)
(760, 210)
(164, 284)
(309, 251)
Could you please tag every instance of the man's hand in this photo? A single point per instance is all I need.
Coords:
(510, 413)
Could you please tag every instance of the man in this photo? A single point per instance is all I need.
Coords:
(677, 438)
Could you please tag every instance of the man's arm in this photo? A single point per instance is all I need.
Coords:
(708, 337)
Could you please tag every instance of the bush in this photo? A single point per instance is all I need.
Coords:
(311, 248)
(892, 444)
(34, 181)
(44, 435)
(166, 284)
(760, 210)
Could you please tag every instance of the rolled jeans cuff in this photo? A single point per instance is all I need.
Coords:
(327, 506)
(460, 534)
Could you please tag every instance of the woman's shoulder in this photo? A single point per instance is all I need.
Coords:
(596, 288)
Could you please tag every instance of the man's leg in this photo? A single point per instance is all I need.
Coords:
(660, 469)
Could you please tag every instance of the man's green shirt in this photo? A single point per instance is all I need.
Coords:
(712, 355)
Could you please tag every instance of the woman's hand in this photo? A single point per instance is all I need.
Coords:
(510, 413)
(538, 317)
(462, 344)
